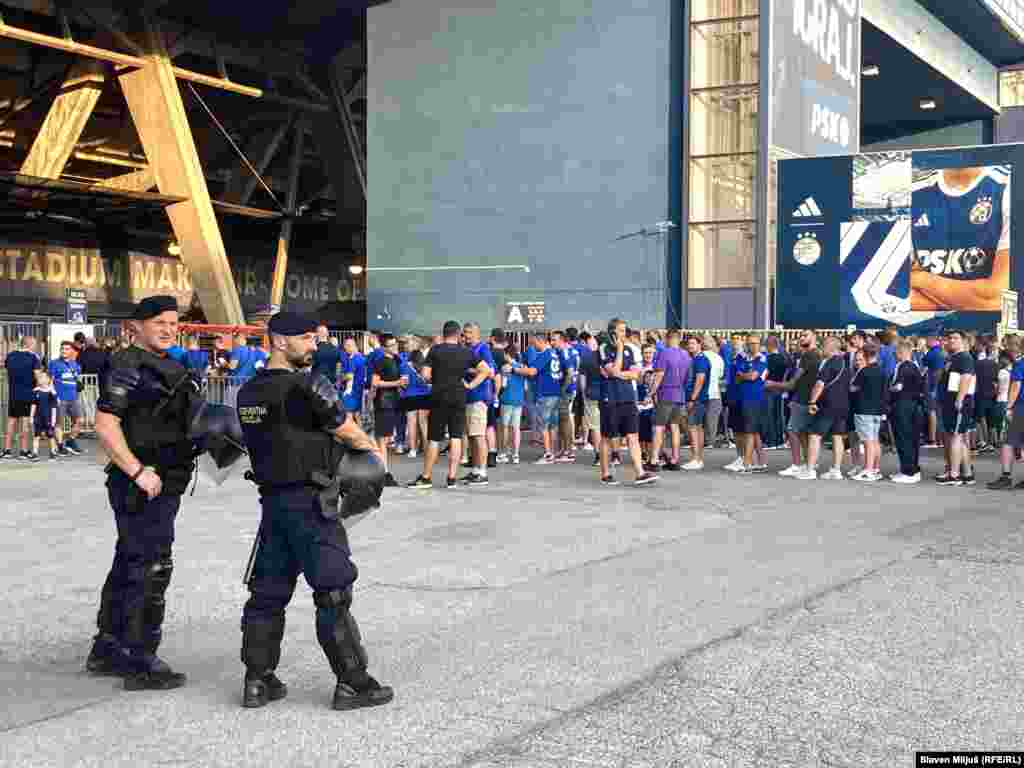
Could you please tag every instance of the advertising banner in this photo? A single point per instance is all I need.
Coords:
(815, 76)
(911, 239)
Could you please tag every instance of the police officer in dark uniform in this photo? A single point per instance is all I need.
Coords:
(305, 451)
(142, 422)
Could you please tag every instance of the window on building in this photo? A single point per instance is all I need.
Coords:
(723, 143)
(722, 255)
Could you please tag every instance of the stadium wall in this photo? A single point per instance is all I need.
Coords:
(506, 136)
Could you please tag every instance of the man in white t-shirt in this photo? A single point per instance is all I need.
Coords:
(714, 408)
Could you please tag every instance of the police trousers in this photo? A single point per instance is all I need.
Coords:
(132, 601)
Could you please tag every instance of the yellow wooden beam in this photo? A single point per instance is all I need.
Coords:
(138, 181)
(64, 123)
(155, 103)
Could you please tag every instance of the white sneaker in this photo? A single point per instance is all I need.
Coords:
(736, 466)
(501, 458)
(806, 473)
(898, 477)
(869, 477)
(514, 459)
(411, 455)
(694, 465)
(547, 458)
(907, 479)
(792, 471)
(833, 474)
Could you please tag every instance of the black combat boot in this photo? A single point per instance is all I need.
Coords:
(153, 675)
(369, 693)
(257, 692)
(261, 653)
(144, 620)
(338, 634)
(108, 658)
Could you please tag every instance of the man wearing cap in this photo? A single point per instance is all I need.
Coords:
(142, 423)
(304, 449)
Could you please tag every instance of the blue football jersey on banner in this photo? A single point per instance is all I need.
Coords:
(957, 232)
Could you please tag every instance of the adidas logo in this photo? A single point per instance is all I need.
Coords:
(807, 208)
(922, 221)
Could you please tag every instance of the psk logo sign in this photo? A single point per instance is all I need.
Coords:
(807, 249)
(982, 211)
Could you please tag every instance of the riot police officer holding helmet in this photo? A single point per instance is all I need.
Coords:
(305, 451)
(142, 422)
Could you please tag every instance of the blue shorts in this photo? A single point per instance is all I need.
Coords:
(867, 426)
(548, 407)
(510, 416)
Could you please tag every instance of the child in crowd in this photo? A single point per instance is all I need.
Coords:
(513, 397)
(44, 415)
(645, 400)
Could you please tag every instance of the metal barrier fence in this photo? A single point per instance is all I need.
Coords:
(13, 331)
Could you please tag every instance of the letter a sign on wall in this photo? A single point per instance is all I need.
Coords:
(524, 312)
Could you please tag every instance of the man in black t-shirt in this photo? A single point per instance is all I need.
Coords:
(798, 388)
(827, 406)
(956, 402)
(386, 382)
(445, 368)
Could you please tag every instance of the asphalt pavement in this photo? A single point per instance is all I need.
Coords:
(706, 620)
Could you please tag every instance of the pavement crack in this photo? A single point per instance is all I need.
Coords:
(56, 715)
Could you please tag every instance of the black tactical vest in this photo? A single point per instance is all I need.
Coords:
(286, 444)
(156, 426)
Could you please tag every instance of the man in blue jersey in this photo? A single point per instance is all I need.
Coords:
(961, 240)
(478, 401)
(21, 366)
(934, 363)
(619, 416)
(415, 399)
(570, 361)
(572, 336)
(353, 380)
(196, 359)
(243, 363)
(750, 372)
(546, 375)
(66, 374)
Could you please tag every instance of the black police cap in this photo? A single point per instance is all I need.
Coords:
(151, 306)
(291, 324)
